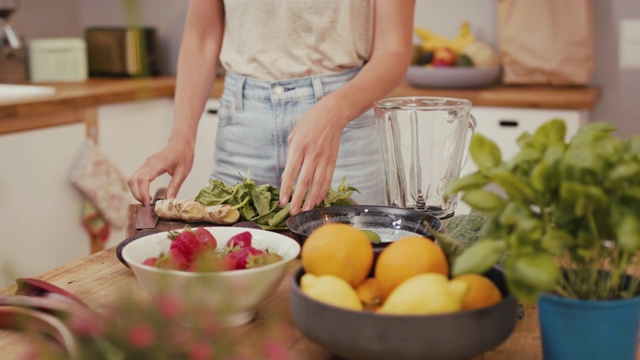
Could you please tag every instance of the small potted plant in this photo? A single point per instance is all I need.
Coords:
(568, 216)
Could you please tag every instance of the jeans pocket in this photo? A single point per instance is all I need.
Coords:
(366, 119)
(226, 112)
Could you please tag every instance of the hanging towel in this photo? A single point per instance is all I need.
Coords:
(100, 180)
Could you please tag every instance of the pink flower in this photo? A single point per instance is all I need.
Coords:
(170, 305)
(209, 324)
(141, 335)
(85, 324)
(201, 351)
(276, 350)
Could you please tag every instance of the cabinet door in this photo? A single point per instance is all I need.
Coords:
(505, 125)
(205, 147)
(130, 132)
(41, 217)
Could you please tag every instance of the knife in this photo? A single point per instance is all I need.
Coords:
(146, 217)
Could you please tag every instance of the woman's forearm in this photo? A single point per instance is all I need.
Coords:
(197, 66)
(387, 67)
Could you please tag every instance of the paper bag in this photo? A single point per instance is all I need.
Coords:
(102, 183)
(546, 41)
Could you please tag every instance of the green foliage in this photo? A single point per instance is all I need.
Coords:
(569, 206)
(259, 203)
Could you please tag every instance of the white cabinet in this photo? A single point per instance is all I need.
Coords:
(504, 125)
(128, 133)
(41, 211)
(205, 146)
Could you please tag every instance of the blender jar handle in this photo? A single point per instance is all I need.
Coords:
(472, 127)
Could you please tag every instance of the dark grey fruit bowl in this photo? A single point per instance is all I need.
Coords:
(390, 223)
(355, 335)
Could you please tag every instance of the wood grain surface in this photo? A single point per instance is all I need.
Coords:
(72, 101)
(99, 278)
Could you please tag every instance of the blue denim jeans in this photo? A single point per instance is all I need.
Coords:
(256, 118)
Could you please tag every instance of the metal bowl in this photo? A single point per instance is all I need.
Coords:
(390, 223)
(355, 335)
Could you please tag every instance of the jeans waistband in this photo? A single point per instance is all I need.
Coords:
(242, 87)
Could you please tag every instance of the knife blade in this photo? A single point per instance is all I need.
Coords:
(146, 217)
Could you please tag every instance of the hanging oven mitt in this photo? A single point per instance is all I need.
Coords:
(102, 183)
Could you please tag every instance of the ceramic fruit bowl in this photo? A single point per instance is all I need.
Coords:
(389, 223)
(452, 77)
(355, 335)
(233, 294)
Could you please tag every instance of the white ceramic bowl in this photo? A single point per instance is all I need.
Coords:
(235, 294)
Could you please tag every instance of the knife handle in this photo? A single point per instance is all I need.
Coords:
(161, 194)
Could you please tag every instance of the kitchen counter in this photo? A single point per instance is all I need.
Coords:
(99, 278)
(77, 102)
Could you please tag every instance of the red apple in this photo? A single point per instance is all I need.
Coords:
(444, 57)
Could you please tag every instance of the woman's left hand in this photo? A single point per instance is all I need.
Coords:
(311, 157)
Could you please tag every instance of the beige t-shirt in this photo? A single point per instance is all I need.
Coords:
(282, 39)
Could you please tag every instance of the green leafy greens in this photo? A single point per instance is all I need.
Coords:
(259, 203)
(567, 213)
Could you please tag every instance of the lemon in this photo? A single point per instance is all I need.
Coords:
(427, 293)
(331, 290)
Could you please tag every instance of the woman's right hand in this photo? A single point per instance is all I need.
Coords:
(175, 160)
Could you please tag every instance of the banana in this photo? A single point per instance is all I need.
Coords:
(432, 41)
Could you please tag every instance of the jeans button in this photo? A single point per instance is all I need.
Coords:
(278, 90)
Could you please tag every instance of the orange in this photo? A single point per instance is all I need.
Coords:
(408, 256)
(482, 291)
(340, 250)
(369, 292)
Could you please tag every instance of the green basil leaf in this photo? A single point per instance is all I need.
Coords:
(484, 201)
(623, 173)
(529, 229)
(512, 213)
(632, 193)
(628, 233)
(536, 270)
(479, 257)
(514, 187)
(555, 241)
(551, 132)
(484, 152)
(542, 179)
(472, 181)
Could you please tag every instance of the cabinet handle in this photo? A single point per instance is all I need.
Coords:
(212, 111)
(508, 123)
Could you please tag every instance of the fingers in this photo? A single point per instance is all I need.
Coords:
(139, 186)
(313, 181)
(318, 192)
(153, 167)
(176, 182)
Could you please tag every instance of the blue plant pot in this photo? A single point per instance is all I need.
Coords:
(581, 329)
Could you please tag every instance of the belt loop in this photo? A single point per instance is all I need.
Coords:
(317, 88)
(239, 93)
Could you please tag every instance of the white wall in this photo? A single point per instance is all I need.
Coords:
(445, 17)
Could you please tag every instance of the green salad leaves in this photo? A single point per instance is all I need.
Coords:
(259, 203)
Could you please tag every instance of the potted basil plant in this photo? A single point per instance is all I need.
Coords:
(567, 214)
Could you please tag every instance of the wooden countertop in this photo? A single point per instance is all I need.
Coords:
(99, 278)
(77, 102)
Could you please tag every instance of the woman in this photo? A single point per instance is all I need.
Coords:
(296, 108)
